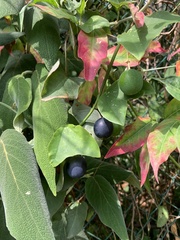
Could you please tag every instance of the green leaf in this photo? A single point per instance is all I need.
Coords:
(44, 38)
(172, 108)
(6, 38)
(111, 172)
(75, 216)
(104, 200)
(136, 40)
(163, 216)
(93, 23)
(54, 202)
(58, 13)
(119, 3)
(52, 2)
(58, 85)
(25, 207)
(19, 89)
(172, 86)
(112, 104)
(16, 64)
(10, 7)
(47, 117)
(69, 141)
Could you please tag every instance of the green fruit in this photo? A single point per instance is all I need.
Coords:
(131, 82)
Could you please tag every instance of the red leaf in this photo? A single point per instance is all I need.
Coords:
(133, 138)
(92, 50)
(161, 143)
(178, 68)
(144, 163)
(155, 47)
(123, 57)
(138, 17)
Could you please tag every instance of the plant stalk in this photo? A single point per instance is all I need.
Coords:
(103, 85)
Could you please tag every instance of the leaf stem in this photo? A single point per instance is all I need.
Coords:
(158, 68)
(132, 108)
(103, 85)
(145, 6)
(174, 161)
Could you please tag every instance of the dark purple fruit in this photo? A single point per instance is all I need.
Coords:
(28, 133)
(76, 167)
(103, 128)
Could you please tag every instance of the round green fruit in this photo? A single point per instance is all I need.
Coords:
(131, 82)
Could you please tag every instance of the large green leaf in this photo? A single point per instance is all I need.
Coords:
(172, 85)
(172, 108)
(136, 40)
(93, 23)
(44, 39)
(20, 92)
(112, 104)
(58, 13)
(111, 172)
(6, 38)
(58, 85)
(69, 141)
(104, 200)
(27, 215)
(75, 216)
(9, 7)
(47, 117)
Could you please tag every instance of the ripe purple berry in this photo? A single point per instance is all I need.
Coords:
(76, 166)
(103, 128)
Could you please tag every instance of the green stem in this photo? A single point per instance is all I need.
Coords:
(174, 161)
(103, 85)
(132, 108)
(121, 21)
(146, 6)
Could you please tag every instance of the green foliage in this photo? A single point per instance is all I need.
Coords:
(60, 65)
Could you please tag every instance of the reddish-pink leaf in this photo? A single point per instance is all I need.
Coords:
(86, 91)
(161, 142)
(134, 137)
(155, 47)
(123, 57)
(92, 50)
(144, 163)
(178, 68)
(138, 17)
